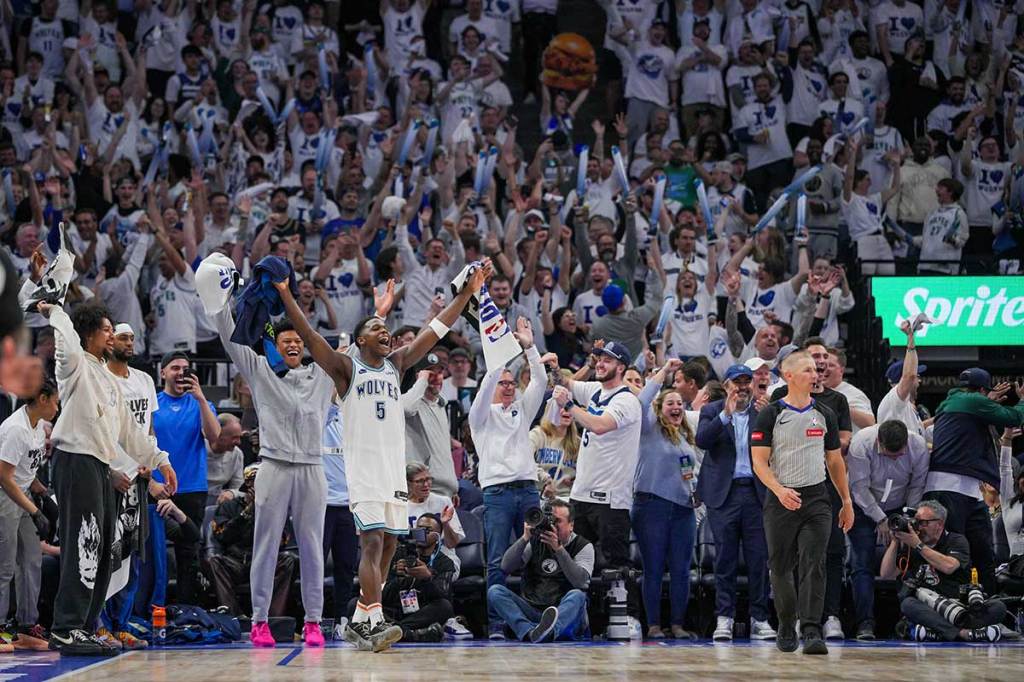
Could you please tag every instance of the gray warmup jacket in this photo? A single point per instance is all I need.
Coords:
(291, 409)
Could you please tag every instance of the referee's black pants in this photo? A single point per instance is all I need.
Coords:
(798, 539)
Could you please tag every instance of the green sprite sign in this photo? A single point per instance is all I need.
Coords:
(967, 311)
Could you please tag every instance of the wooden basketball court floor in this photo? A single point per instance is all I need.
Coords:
(482, 661)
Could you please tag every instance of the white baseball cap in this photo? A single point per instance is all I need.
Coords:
(755, 363)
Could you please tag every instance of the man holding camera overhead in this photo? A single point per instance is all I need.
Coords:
(887, 469)
(184, 418)
(937, 561)
(556, 565)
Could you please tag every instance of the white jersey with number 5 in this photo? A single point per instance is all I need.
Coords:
(374, 434)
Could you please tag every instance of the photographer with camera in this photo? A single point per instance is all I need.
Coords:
(234, 528)
(936, 563)
(887, 468)
(417, 594)
(557, 565)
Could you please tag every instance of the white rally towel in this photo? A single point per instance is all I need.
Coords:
(499, 345)
(217, 280)
(54, 281)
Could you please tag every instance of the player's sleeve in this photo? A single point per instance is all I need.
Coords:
(761, 433)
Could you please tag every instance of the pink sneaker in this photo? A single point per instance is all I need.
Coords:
(260, 636)
(311, 633)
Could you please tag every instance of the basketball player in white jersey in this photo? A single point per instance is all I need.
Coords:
(369, 388)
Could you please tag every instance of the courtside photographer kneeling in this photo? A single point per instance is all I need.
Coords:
(938, 597)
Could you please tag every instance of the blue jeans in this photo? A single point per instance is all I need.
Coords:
(504, 510)
(664, 530)
(118, 608)
(505, 605)
(862, 562)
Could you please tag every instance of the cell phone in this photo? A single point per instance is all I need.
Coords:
(188, 373)
(343, 339)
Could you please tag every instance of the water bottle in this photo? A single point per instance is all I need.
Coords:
(686, 467)
(159, 626)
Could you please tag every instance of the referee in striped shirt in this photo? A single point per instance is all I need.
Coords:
(791, 443)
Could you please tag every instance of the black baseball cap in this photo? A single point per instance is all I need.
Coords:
(976, 377)
(173, 355)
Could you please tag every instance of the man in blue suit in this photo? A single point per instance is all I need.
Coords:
(734, 497)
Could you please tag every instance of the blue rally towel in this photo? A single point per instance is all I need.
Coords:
(258, 302)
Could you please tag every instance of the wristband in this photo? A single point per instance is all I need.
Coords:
(439, 328)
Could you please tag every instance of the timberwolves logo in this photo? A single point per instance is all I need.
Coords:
(549, 566)
(718, 348)
(650, 65)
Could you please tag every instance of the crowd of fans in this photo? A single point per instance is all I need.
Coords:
(362, 144)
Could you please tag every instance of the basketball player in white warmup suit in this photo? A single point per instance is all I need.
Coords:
(368, 382)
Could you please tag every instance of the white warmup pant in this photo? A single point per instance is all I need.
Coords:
(20, 558)
(302, 488)
(875, 248)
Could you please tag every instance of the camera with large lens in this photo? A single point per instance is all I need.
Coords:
(540, 518)
(408, 546)
(902, 521)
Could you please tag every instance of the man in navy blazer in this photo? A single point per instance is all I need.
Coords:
(734, 497)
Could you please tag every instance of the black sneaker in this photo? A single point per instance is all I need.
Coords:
(866, 631)
(432, 633)
(358, 634)
(544, 629)
(79, 643)
(990, 633)
(814, 645)
(786, 640)
(383, 635)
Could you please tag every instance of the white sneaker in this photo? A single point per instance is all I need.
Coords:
(760, 629)
(456, 630)
(1009, 633)
(338, 633)
(723, 629)
(833, 628)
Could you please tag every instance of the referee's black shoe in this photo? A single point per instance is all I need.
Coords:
(814, 645)
(786, 640)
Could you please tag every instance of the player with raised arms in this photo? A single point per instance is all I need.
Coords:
(368, 380)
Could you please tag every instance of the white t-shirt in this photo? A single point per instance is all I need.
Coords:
(607, 462)
(718, 350)
(703, 83)
(690, 331)
(892, 407)
(485, 26)
(863, 215)
(585, 307)
(400, 29)
(742, 76)
(856, 398)
(286, 22)
(900, 23)
(504, 13)
(884, 140)
(346, 297)
(650, 71)
(778, 299)
(139, 394)
(770, 116)
(844, 112)
(103, 124)
(22, 446)
(944, 220)
(809, 88)
(173, 303)
(868, 77)
(983, 188)
(463, 101)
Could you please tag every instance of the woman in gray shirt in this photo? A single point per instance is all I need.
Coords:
(662, 516)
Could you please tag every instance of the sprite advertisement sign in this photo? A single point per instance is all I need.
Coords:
(966, 311)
